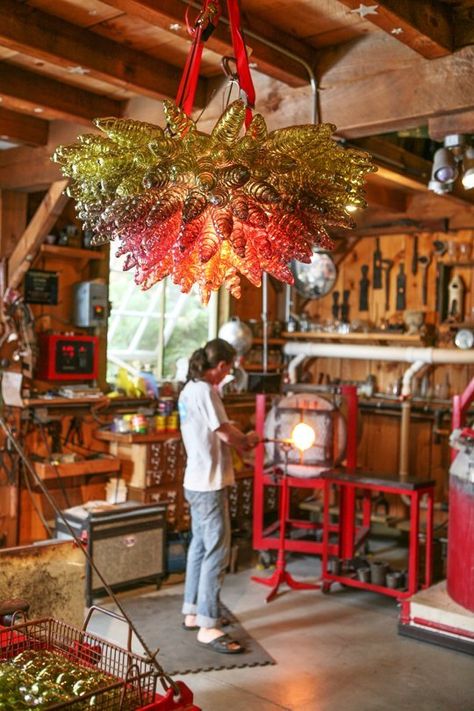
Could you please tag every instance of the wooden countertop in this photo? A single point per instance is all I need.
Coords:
(107, 435)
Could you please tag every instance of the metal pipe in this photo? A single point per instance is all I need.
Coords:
(404, 464)
(265, 320)
(389, 353)
(418, 357)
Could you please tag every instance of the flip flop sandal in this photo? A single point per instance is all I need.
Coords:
(224, 622)
(189, 628)
(222, 645)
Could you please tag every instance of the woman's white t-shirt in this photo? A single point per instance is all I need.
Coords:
(209, 460)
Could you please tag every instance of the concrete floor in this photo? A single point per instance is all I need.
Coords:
(336, 652)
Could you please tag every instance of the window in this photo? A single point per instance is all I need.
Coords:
(154, 328)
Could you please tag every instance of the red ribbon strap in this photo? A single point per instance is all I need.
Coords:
(205, 24)
(241, 58)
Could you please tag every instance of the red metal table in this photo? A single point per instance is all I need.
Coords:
(351, 537)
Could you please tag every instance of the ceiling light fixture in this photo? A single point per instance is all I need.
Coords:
(204, 208)
(454, 157)
(468, 168)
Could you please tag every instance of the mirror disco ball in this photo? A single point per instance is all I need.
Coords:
(238, 334)
(316, 279)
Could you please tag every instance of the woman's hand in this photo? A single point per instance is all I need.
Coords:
(252, 439)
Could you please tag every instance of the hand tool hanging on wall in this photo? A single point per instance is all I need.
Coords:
(364, 288)
(377, 277)
(424, 261)
(442, 280)
(414, 259)
(335, 305)
(345, 306)
(387, 267)
(456, 298)
(440, 247)
(401, 303)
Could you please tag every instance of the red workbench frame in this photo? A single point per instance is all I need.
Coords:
(268, 538)
(347, 483)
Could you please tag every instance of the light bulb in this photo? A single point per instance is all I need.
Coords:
(303, 436)
(468, 167)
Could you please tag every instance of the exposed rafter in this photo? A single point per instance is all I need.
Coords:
(441, 126)
(21, 90)
(167, 13)
(20, 128)
(405, 95)
(426, 27)
(43, 220)
(34, 33)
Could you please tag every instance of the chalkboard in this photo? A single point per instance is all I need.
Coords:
(41, 287)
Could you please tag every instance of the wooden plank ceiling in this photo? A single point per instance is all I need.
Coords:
(379, 68)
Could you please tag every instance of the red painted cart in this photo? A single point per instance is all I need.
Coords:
(132, 679)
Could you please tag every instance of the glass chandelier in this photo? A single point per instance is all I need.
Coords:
(207, 208)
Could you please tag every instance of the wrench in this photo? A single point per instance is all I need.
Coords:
(424, 262)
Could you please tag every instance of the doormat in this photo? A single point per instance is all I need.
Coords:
(158, 619)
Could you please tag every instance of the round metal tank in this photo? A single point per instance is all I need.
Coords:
(460, 579)
(326, 420)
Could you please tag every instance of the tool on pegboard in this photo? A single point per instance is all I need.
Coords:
(364, 284)
(456, 298)
(387, 265)
(424, 261)
(414, 259)
(335, 305)
(345, 306)
(377, 264)
(401, 302)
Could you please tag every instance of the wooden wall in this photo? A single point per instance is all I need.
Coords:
(399, 248)
(379, 436)
(72, 264)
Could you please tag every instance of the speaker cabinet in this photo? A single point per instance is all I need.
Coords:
(126, 543)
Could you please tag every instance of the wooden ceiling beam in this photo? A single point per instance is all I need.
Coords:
(25, 91)
(362, 101)
(35, 233)
(426, 27)
(170, 13)
(441, 126)
(379, 195)
(37, 34)
(24, 129)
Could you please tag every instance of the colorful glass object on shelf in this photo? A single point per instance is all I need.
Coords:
(204, 208)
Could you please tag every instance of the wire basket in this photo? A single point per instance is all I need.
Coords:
(130, 679)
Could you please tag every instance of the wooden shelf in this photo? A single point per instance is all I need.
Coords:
(131, 438)
(382, 336)
(63, 401)
(258, 367)
(270, 341)
(71, 252)
(101, 465)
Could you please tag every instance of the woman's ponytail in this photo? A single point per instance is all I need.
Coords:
(208, 357)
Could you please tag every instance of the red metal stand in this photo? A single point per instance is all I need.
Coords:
(281, 575)
(366, 483)
(264, 538)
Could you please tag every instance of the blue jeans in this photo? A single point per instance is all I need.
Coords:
(208, 554)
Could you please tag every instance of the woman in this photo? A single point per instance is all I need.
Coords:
(207, 437)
